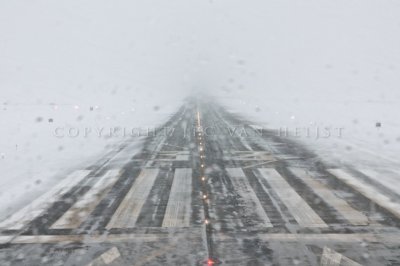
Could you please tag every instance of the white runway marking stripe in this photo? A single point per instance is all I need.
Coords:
(368, 191)
(300, 210)
(189, 235)
(33, 210)
(182, 156)
(387, 179)
(251, 156)
(353, 216)
(177, 213)
(129, 209)
(390, 239)
(173, 156)
(107, 257)
(243, 187)
(332, 258)
(84, 206)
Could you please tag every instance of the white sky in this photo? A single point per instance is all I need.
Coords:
(295, 48)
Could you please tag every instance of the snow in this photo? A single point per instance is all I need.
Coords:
(37, 153)
(300, 65)
(81, 67)
(282, 63)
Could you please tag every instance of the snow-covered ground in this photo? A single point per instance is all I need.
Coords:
(298, 65)
(43, 142)
(339, 131)
(77, 66)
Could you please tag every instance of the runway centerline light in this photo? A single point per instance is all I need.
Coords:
(210, 262)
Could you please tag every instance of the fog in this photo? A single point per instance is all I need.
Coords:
(133, 62)
(280, 48)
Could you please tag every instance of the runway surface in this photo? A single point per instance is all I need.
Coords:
(209, 187)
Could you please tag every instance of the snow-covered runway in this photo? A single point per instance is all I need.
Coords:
(214, 194)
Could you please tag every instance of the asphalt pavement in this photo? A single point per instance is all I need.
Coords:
(208, 187)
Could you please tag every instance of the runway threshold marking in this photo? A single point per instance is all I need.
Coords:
(177, 213)
(301, 211)
(174, 156)
(251, 156)
(107, 257)
(367, 190)
(80, 211)
(386, 179)
(349, 213)
(385, 238)
(128, 211)
(244, 189)
(332, 258)
(34, 209)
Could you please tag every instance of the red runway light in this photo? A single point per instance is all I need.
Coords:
(210, 262)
